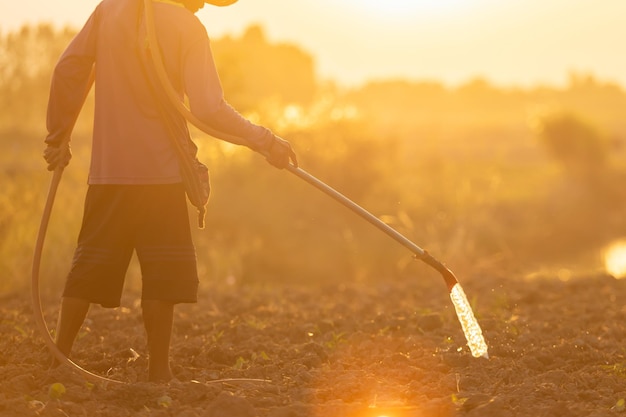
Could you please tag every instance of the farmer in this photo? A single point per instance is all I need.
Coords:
(136, 199)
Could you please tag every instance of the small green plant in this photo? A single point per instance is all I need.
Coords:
(618, 369)
(620, 406)
(164, 401)
(458, 401)
(255, 323)
(336, 340)
(56, 391)
(240, 363)
(383, 331)
(215, 337)
(512, 330)
(263, 356)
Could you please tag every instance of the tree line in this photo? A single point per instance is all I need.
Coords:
(476, 171)
(259, 75)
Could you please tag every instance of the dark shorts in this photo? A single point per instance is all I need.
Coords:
(149, 219)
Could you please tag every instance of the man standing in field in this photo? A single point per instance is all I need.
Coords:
(136, 198)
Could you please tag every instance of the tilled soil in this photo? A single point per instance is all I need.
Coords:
(395, 349)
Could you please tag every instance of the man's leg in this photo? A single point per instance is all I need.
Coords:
(168, 266)
(158, 318)
(71, 318)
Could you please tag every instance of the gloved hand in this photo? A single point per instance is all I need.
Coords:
(57, 156)
(279, 153)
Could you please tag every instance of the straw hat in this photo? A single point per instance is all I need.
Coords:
(220, 2)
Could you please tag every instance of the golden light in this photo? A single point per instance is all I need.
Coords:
(615, 259)
(404, 8)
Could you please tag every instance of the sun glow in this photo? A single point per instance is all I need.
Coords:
(615, 259)
(407, 8)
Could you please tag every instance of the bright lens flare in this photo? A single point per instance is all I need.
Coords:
(473, 333)
(615, 259)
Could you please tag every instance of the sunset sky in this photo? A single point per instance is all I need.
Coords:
(512, 42)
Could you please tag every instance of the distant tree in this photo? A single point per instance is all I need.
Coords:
(602, 100)
(27, 57)
(254, 71)
(575, 143)
(398, 104)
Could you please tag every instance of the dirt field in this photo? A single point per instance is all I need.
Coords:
(557, 348)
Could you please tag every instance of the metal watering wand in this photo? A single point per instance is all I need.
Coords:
(469, 324)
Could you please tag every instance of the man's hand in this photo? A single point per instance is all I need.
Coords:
(57, 156)
(280, 153)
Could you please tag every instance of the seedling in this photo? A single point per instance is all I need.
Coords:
(240, 363)
(56, 391)
(620, 406)
(337, 339)
(164, 401)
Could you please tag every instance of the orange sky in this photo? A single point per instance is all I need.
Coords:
(513, 42)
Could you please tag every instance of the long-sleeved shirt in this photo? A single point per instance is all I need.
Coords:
(130, 142)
